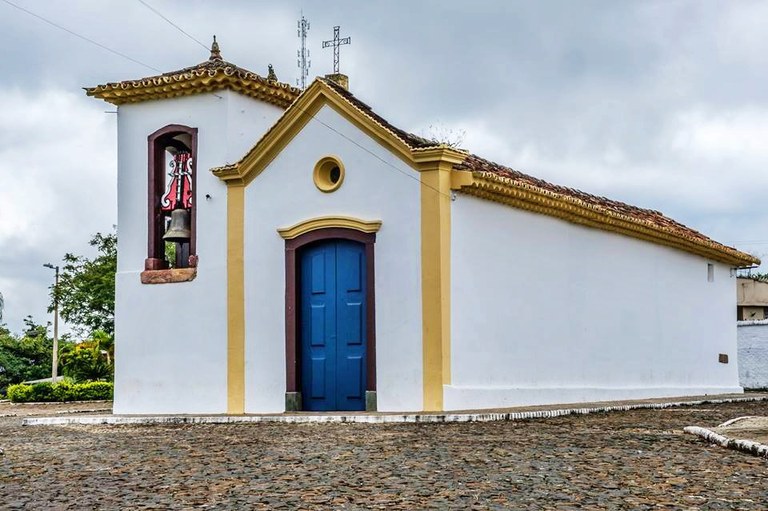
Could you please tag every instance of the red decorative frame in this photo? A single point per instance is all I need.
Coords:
(292, 246)
(156, 144)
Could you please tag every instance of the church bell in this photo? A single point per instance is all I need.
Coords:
(179, 230)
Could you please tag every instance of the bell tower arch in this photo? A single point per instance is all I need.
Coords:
(171, 204)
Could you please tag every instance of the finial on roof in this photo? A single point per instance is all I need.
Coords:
(215, 52)
(271, 73)
(339, 79)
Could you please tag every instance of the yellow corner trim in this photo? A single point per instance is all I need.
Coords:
(325, 222)
(235, 301)
(436, 284)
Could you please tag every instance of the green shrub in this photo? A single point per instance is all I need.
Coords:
(42, 392)
(19, 393)
(94, 390)
(61, 391)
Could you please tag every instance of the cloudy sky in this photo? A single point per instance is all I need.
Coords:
(662, 104)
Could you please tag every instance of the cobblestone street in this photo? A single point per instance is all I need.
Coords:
(622, 460)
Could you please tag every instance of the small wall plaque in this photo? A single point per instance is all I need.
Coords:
(722, 358)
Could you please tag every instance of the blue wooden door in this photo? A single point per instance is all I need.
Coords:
(333, 327)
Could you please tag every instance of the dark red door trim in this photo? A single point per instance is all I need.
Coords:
(292, 246)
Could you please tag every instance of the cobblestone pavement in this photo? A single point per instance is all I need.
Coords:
(620, 460)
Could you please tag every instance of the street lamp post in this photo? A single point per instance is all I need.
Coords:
(55, 364)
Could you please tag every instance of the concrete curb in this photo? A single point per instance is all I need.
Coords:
(369, 418)
(748, 446)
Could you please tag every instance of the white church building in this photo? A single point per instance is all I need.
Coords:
(284, 250)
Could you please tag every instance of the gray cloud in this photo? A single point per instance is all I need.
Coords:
(660, 104)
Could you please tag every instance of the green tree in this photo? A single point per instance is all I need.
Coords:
(86, 290)
(25, 357)
(90, 360)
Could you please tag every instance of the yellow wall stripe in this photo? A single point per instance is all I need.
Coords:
(235, 299)
(435, 282)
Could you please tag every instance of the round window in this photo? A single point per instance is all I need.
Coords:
(328, 174)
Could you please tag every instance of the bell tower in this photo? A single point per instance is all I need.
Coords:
(171, 282)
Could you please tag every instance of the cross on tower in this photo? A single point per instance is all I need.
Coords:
(336, 42)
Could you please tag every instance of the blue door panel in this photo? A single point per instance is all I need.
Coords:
(351, 330)
(352, 276)
(354, 379)
(318, 273)
(317, 329)
(318, 379)
(333, 333)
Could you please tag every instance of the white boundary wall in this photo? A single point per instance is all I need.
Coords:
(284, 194)
(753, 354)
(544, 311)
(171, 339)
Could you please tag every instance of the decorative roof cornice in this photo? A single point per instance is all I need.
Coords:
(476, 176)
(637, 223)
(209, 76)
(417, 152)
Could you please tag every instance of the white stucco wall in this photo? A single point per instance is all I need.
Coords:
(283, 195)
(171, 338)
(633, 319)
(753, 355)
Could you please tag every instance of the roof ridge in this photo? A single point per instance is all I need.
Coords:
(415, 142)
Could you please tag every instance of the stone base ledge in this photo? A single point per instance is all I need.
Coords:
(169, 276)
(373, 418)
(463, 397)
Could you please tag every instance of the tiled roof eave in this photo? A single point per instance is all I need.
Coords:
(165, 87)
(572, 209)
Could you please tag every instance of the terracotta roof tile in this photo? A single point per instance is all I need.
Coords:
(656, 220)
(211, 75)
(475, 163)
(607, 209)
(413, 141)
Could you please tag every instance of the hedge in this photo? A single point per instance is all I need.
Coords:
(62, 391)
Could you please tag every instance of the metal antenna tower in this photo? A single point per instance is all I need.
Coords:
(303, 53)
(336, 42)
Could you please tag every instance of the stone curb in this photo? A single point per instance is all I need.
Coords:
(53, 403)
(370, 419)
(734, 421)
(748, 446)
(62, 412)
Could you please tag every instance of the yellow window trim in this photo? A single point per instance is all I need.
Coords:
(325, 222)
(321, 175)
